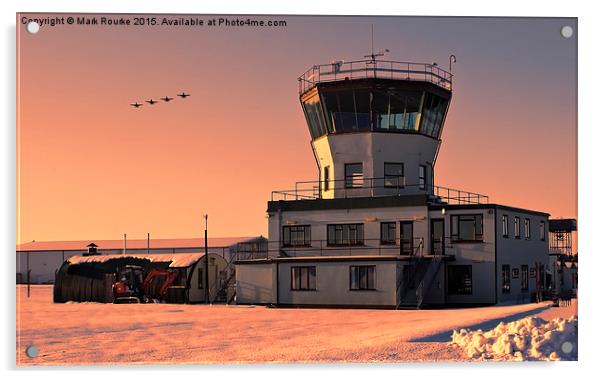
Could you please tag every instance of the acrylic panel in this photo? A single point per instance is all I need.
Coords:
(206, 189)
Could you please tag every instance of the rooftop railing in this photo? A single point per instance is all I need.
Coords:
(376, 187)
(411, 247)
(381, 69)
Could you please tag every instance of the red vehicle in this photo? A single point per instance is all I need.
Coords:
(133, 286)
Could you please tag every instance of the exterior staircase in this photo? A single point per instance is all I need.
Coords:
(415, 282)
(428, 279)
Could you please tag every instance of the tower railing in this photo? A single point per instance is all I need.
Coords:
(380, 69)
(384, 186)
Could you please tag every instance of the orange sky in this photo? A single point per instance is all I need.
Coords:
(92, 167)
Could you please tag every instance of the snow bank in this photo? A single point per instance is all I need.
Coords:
(530, 338)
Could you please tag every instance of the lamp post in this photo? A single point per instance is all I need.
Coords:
(206, 263)
(452, 59)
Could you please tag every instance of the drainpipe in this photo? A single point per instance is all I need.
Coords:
(313, 149)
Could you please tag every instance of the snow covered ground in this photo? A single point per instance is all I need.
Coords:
(530, 338)
(92, 333)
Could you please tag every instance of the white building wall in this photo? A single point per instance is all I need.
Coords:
(196, 291)
(479, 255)
(373, 150)
(370, 217)
(255, 283)
(332, 285)
(520, 251)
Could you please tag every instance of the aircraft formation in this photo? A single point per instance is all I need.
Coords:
(166, 99)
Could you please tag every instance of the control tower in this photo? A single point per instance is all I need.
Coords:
(375, 125)
(374, 230)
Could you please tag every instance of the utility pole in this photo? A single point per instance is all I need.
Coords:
(125, 243)
(28, 277)
(147, 243)
(206, 263)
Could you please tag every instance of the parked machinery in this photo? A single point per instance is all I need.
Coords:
(134, 286)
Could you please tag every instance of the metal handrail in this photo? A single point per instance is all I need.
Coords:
(306, 190)
(368, 68)
(369, 246)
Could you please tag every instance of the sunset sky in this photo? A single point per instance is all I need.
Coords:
(92, 167)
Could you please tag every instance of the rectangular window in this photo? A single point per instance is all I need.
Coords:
(354, 175)
(362, 278)
(459, 280)
(394, 175)
(345, 234)
(516, 227)
(524, 278)
(515, 273)
(422, 177)
(467, 227)
(505, 278)
(296, 235)
(388, 232)
(505, 226)
(527, 228)
(406, 237)
(542, 230)
(326, 178)
(303, 278)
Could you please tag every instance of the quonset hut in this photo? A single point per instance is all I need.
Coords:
(91, 278)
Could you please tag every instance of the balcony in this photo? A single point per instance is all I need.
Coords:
(411, 247)
(376, 187)
(378, 69)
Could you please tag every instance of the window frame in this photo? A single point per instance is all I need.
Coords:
(406, 241)
(517, 227)
(306, 232)
(400, 178)
(505, 226)
(524, 278)
(388, 224)
(527, 228)
(542, 231)
(422, 177)
(349, 179)
(455, 225)
(506, 279)
(466, 290)
(307, 286)
(359, 240)
(326, 178)
(357, 269)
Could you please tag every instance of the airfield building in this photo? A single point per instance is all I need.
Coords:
(375, 230)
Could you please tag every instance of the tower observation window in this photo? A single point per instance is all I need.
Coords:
(396, 110)
(348, 111)
(433, 111)
(314, 116)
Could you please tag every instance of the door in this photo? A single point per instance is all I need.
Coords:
(437, 236)
(406, 237)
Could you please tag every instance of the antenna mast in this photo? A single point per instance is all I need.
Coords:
(373, 56)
